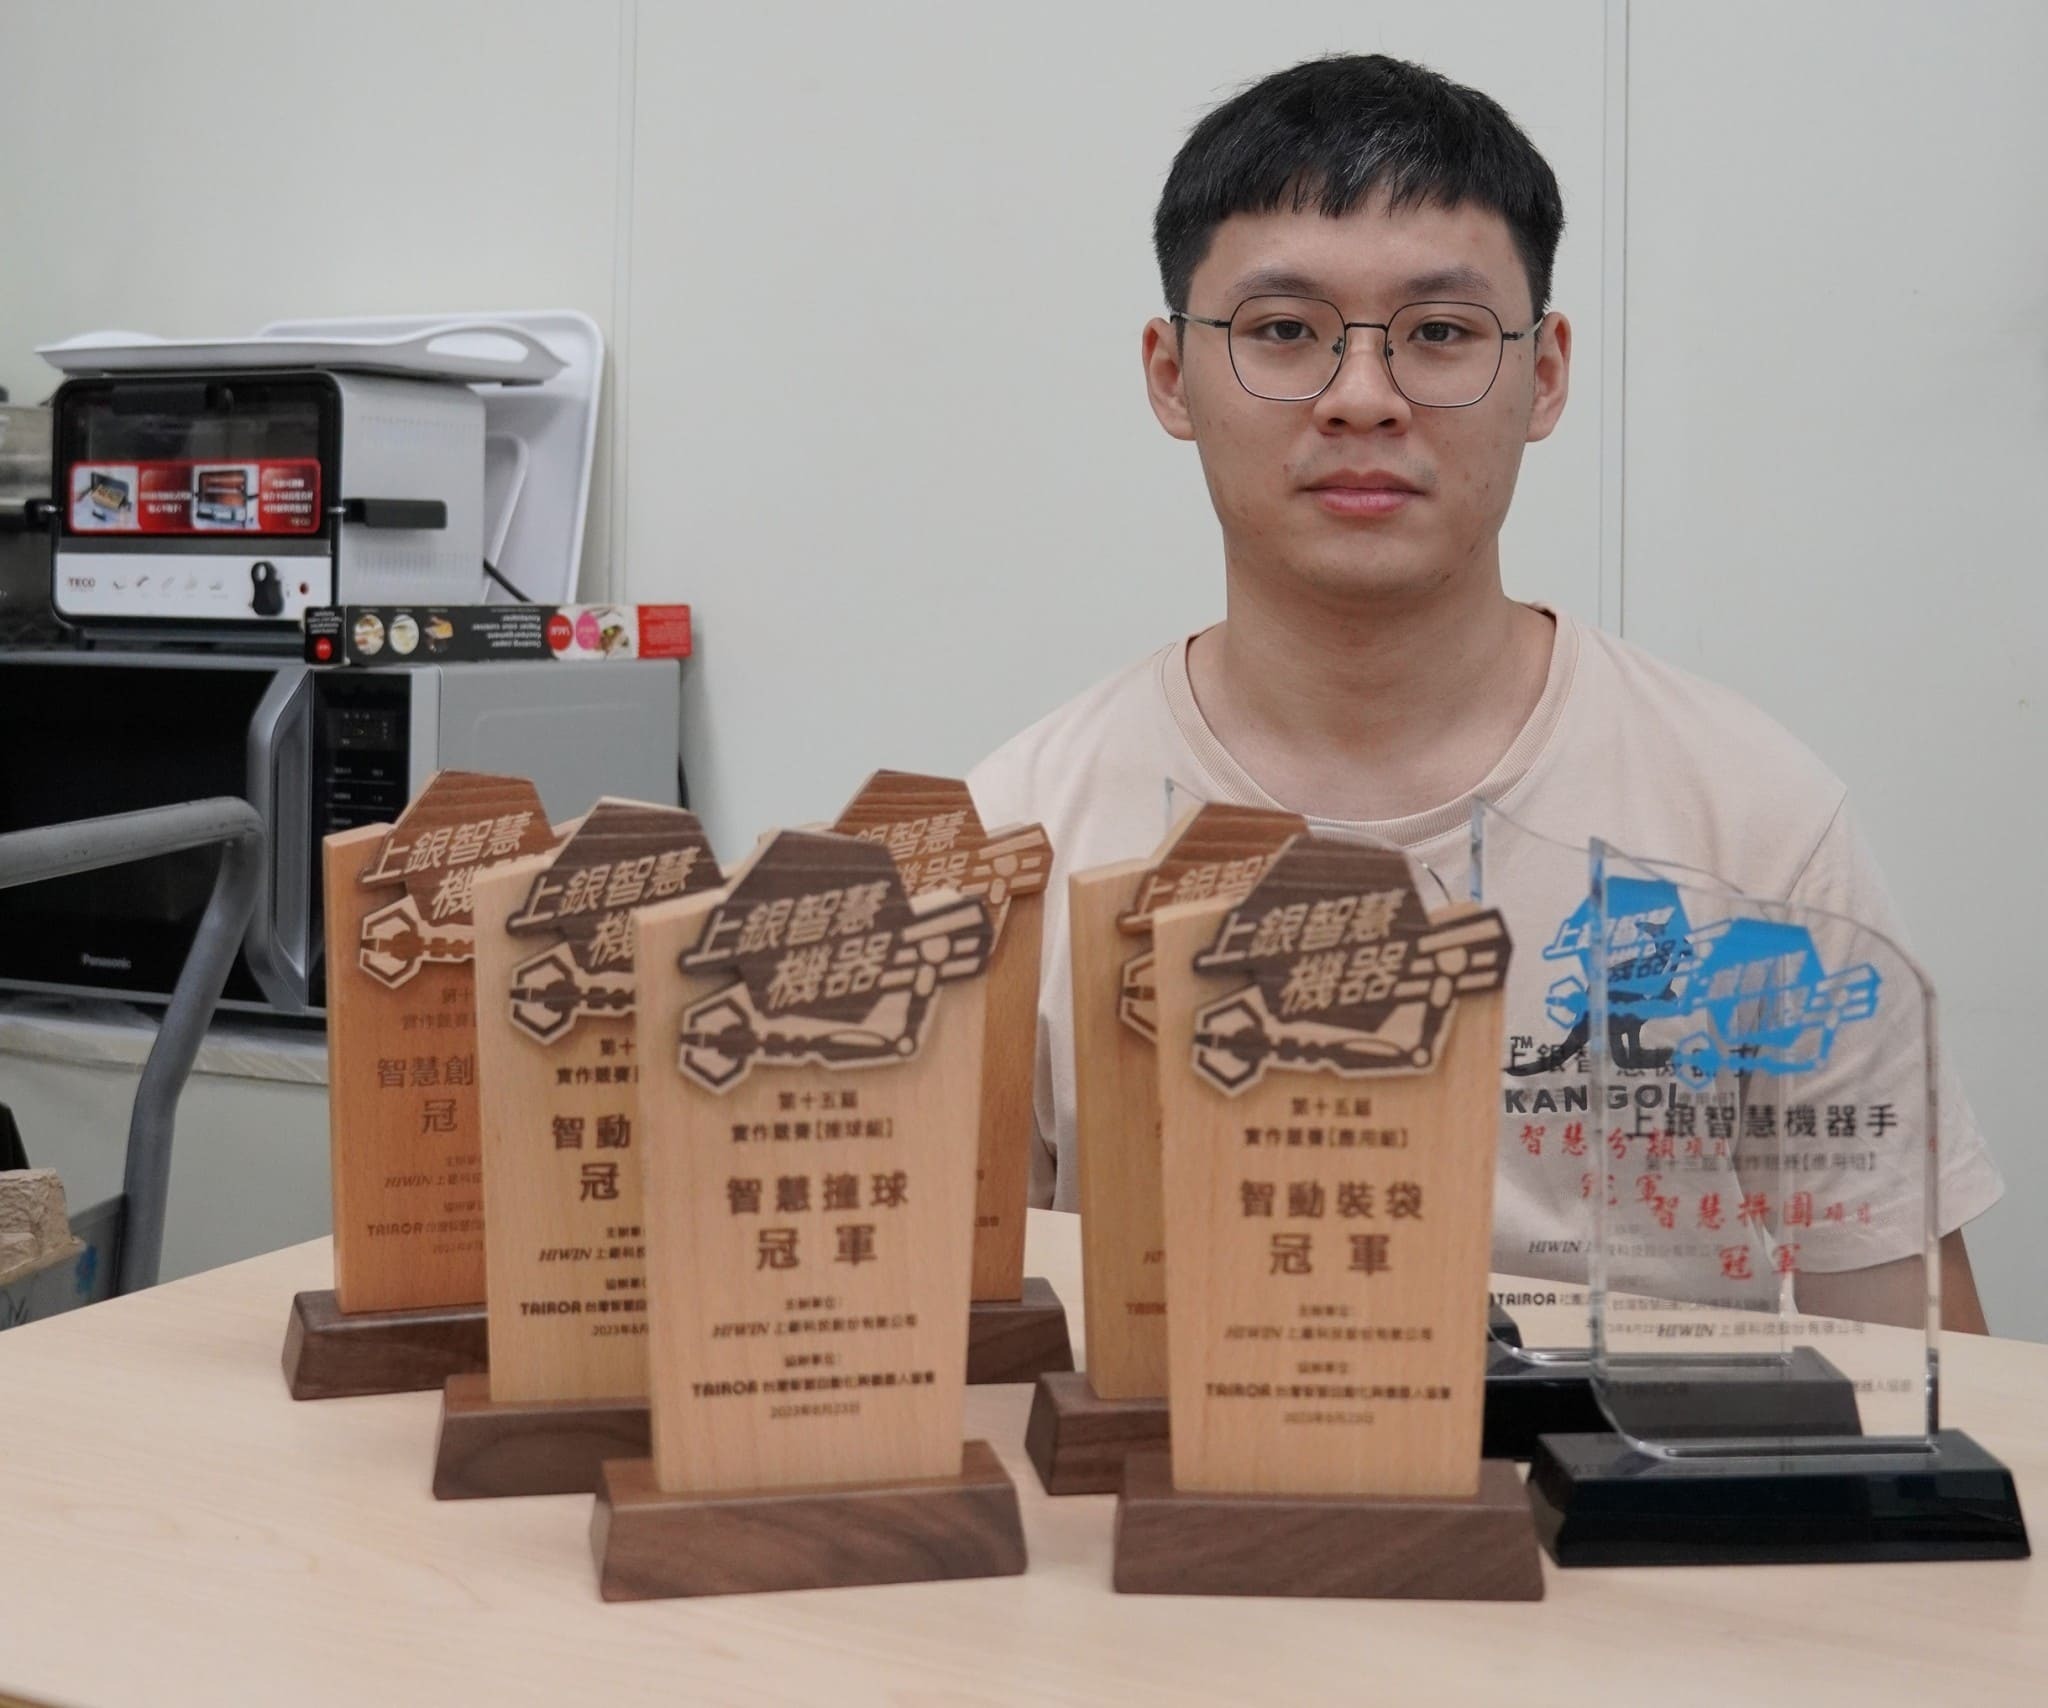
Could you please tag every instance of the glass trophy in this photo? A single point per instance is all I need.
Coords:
(1539, 1371)
(1764, 1077)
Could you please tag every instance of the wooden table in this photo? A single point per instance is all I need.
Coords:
(174, 1529)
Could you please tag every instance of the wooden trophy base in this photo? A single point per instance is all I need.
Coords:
(494, 1448)
(1018, 1340)
(1480, 1548)
(651, 1544)
(1077, 1440)
(331, 1354)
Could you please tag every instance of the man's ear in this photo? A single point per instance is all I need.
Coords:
(1553, 375)
(1166, 379)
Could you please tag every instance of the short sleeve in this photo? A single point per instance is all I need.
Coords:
(1842, 877)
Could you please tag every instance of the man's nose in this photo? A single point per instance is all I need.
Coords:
(1363, 394)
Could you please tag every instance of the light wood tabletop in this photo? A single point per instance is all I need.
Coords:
(174, 1529)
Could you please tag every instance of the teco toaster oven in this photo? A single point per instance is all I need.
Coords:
(315, 750)
(236, 500)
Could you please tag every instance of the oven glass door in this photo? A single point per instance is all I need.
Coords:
(83, 739)
(149, 459)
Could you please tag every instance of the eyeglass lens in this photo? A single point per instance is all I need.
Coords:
(1443, 355)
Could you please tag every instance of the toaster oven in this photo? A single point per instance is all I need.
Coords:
(236, 501)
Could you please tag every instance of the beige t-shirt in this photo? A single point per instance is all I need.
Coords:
(1622, 747)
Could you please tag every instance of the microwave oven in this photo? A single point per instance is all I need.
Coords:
(233, 502)
(315, 749)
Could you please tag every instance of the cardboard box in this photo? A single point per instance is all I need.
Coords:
(442, 634)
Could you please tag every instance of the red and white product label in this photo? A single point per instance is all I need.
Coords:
(272, 495)
(619, 631)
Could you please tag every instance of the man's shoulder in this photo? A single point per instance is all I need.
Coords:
(1703, 716)
(1085, 754)
(1702, 743)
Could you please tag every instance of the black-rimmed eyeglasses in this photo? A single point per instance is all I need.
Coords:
(1440, 355)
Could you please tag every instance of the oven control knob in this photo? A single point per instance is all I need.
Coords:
(268, 600)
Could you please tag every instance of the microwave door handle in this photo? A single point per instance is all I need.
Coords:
(278, 944)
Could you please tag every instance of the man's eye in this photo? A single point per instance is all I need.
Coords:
(1439, 332)
(1284, 332)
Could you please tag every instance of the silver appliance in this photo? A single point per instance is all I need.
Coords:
(314, 749)
(25, 614)
(234, 500)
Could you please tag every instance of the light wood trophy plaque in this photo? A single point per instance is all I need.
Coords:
(1082, 1424)
(1016, 1327)
(406, 1309)
(555, 977)
(812, 1041)
(1328, 1062)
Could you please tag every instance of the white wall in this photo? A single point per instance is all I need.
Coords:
(889, 431)
(874, 278)
(204, 168)
(1837, 434)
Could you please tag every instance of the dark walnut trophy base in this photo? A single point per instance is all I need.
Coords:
(494, 1448)
(331, 1354)
(1599, 1502)
(651, 1544)
(1174, 1542)
(1077, 1440)
(1018, 1340)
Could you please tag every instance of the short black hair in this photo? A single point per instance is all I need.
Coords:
(1328, 132)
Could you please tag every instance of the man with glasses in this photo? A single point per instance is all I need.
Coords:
(1356, 256)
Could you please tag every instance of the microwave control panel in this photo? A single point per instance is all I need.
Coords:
(362, 743)
(361, 746)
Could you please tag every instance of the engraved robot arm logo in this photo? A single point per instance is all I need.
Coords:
(396, 942)
(623, 855)
(1008, 865)
(550, 993)
(839, 997)
(1137, 1002)
(461, 821)
(1220, 853)
(1346, 980)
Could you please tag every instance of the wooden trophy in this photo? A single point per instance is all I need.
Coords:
(1082, 1424)
(567, 1384)
(406, 1310)
(1016, 1328)
(1329, 1067)
(812, 1039)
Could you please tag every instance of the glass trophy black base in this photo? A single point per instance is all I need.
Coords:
(1501, 1327)
(1801, 1394)
(1599, 1502)
(1761, 1396)
(1525, 1400)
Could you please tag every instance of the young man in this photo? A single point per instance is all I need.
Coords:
(1357, 255)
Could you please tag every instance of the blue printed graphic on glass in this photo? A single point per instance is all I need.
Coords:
(1755, 991)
